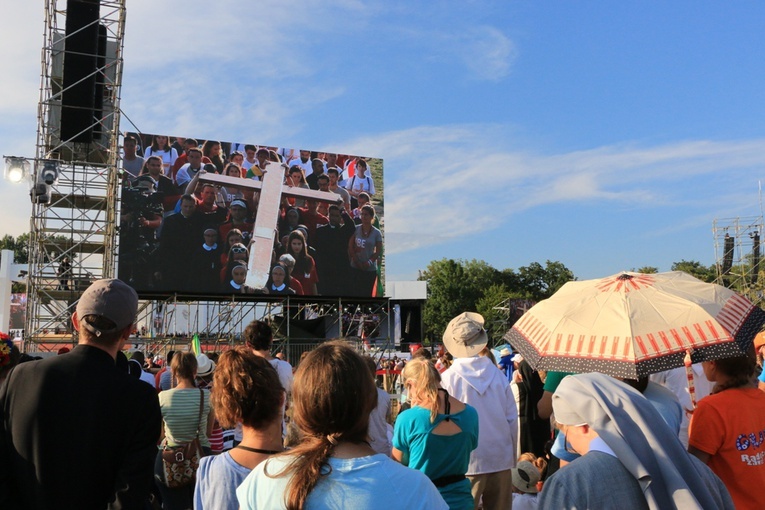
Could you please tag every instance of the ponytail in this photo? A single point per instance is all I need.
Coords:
(332, 397)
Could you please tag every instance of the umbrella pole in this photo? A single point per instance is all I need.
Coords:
(689, 374)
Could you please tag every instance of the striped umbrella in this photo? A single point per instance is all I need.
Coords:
(631, 325)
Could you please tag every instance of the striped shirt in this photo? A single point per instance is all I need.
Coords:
(180, 412)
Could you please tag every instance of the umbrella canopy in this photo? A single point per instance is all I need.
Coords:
(631, 325)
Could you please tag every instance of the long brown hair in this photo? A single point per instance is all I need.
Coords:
(332, 397)
(246, 388)
(739, 370)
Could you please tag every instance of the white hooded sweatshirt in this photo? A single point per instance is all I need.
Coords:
(478, 382)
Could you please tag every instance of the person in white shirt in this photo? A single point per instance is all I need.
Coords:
(361, 181)
(476, 381)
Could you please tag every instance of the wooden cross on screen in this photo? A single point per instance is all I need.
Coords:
(271, 190)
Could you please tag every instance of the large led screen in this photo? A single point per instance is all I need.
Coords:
(211, 218)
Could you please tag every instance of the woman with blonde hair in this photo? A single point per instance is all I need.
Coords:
(334, 466)
(246, 390)
(437, 434)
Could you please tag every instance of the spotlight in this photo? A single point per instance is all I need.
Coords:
(16, 169)
(49, 172)
(40, 193)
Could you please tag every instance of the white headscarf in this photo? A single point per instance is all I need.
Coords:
(640, 438)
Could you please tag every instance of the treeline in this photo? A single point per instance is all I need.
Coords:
(455, 286)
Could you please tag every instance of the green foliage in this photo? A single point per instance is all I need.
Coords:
(647, 270)
(696, 269)
(456, 286)
(496, 321)
(20, 248)
(18, 245)
(537, 283)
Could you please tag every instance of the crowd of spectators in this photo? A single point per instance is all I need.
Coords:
(328, 436)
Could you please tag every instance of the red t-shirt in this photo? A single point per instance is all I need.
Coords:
(307, 280)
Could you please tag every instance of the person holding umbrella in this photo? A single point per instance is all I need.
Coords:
(626, 448)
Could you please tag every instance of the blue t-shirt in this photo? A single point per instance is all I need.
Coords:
(374, 482)
(437, 455)
(217, 479)
(761, 377)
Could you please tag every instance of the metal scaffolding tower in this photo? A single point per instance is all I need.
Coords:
(737, 254)
(74, 223)
(76, 219)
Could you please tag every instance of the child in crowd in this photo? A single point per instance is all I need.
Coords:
(526, 481)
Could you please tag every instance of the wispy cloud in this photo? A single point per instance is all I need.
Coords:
(480, 52)
(443, 183)
(20, 58)
(228, 69)
(487, 52)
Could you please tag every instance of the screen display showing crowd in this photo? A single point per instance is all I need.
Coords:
(212, 218)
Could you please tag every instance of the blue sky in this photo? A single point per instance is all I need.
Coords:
(605, 135)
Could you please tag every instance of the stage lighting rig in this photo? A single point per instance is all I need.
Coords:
(16, 169)
(49, 172)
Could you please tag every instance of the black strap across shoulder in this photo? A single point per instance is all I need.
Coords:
(447, 404)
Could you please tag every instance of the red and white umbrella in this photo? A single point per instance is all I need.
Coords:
(631, 325)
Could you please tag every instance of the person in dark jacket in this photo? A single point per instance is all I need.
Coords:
(76, 431)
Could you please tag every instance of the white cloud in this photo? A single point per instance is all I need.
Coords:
(480, 52)
(21, 35)
(487, 52)
(233, 70)
(443, 183)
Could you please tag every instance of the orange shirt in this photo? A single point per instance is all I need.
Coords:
(730, 426)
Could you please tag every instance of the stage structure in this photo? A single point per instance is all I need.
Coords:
(737, 255)
(299, 326)
(76, 205)
(75, 182)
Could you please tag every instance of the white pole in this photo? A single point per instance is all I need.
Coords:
(6, 282)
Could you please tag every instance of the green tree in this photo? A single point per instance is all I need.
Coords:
(20, 248)
(18, 245)
(496, 320)
(454, 286)
(647, 270)
(697, 269)
(538, 283)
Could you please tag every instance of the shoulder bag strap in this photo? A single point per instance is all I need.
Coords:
(201, 405)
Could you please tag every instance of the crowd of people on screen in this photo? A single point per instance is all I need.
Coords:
(181, 235)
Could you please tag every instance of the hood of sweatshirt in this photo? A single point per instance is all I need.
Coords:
(478, 372)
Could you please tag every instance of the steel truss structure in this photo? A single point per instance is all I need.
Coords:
(170, 324)
(79, 221)
(737, 255)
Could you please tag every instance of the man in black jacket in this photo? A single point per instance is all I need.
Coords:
(331, 256)
(75, 431)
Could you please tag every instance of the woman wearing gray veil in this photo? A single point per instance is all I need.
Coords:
(630, 458)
